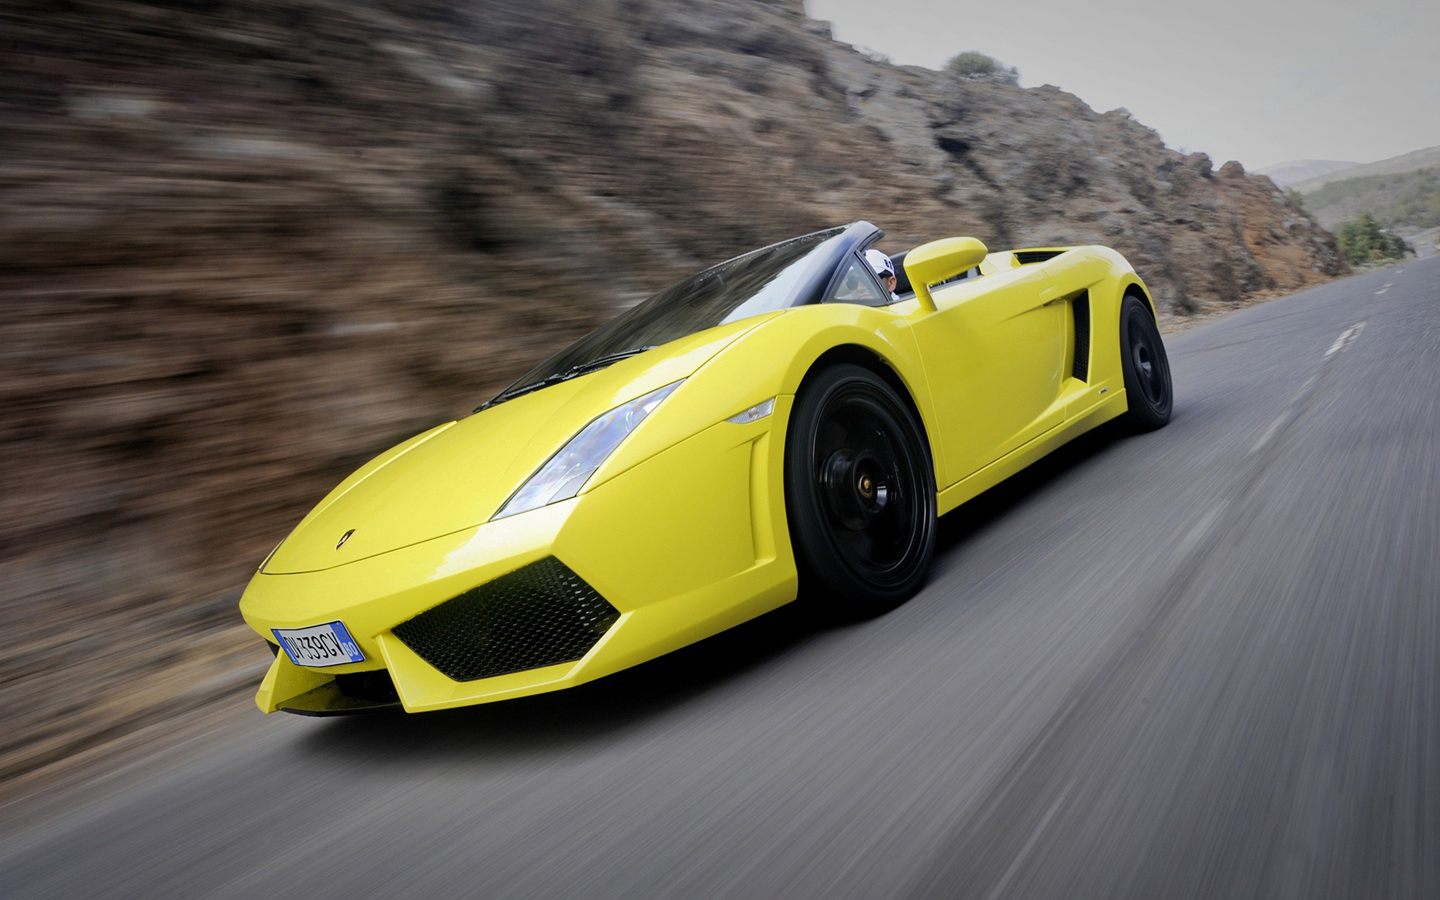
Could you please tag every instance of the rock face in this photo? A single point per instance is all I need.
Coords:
(244, 245)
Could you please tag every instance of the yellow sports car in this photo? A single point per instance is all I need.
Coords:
(789, 421)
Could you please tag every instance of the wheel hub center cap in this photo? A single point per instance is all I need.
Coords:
(855, 487)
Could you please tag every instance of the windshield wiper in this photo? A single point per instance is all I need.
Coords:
(599, 363)
(574, 371)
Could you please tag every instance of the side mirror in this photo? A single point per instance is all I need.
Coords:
(936, 261)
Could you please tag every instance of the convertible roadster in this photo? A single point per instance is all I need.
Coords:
(780, 424)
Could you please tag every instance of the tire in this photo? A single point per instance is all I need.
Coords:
(859, 494)
(1146, 367)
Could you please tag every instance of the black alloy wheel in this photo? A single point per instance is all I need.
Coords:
(859, 492)
(1146, 367)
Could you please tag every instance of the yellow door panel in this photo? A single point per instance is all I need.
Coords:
(993, 359)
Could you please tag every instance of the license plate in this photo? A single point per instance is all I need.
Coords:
(317, 646)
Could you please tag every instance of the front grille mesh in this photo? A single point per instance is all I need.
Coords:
(375, 686)
(538, 615)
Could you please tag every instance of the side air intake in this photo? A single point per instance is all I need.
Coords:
(1028, 257)
(1080, 308)
(539, 615)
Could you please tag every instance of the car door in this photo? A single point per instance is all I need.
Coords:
(993, 354)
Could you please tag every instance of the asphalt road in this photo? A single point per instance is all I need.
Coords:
(1203, 662)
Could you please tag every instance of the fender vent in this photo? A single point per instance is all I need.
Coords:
(1026, 257)
(539, 615)
(1080, 308)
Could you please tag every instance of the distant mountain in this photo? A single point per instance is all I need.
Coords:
(1403, 202)
(1396, 165)
(1402, 193)
(1296, 170)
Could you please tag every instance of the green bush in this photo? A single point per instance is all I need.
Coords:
(973, 63)
(1362, 240)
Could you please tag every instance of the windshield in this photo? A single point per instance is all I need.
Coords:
(758, 282)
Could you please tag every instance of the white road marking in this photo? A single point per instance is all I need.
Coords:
(1284, 417)
(1269, 433)
(1029, 844)
(1382, 290)
(1344, 341)
(1200, 530)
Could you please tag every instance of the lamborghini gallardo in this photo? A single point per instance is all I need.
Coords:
(788, 423)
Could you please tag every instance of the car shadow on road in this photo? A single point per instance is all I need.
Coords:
(1008, 497)
(519, 729)
(559, 720)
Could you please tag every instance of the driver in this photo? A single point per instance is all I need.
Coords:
(881, 265)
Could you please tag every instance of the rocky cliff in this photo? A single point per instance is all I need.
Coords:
(244, 245)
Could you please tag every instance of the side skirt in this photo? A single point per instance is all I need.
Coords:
(1114, 404)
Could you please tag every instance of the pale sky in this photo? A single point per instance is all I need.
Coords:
(1261, 81)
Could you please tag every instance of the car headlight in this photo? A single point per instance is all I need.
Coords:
(565, 473)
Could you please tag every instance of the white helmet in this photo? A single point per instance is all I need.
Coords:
(879, 263)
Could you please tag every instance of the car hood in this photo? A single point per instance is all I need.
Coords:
(457, 475)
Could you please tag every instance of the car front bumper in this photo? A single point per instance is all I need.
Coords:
(683, 545)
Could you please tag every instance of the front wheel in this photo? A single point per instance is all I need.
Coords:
(1146, 367)
(859, 493)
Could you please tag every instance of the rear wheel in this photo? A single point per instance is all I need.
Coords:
(859, 492)
(1146, 367)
